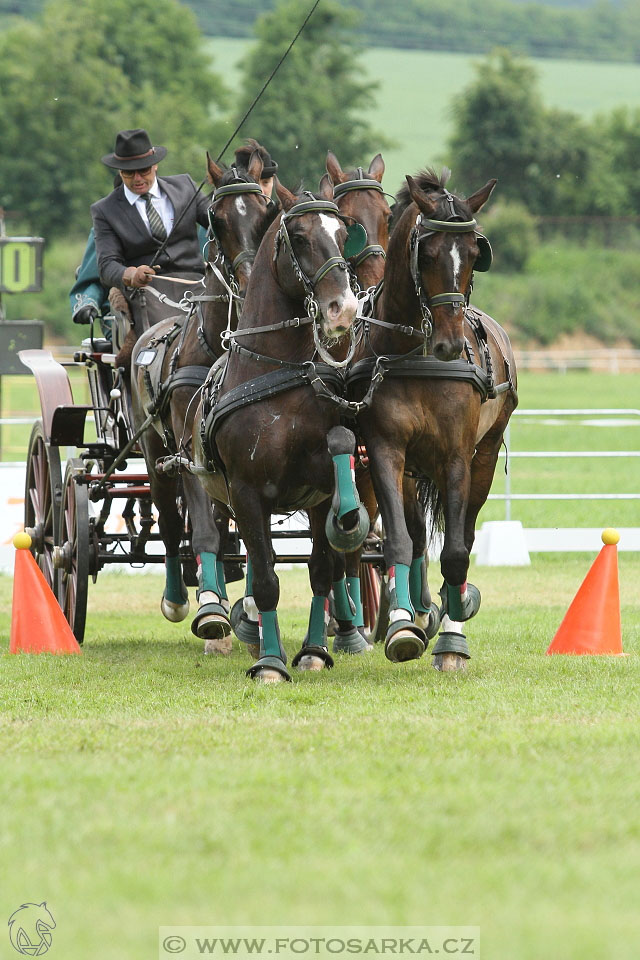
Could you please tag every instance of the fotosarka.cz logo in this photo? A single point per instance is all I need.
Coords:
(30, 929)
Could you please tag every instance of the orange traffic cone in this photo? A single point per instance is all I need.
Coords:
(592, 623)
(38, 625)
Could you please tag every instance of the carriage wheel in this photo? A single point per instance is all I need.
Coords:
(375, 602)
(73, 550)
(42, 492)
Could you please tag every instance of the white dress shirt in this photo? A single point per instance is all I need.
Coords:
(160, 201)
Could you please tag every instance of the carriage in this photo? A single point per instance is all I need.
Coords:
(93, 509)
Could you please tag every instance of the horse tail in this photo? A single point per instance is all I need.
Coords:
(430, 500)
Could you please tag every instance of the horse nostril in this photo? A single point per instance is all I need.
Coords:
(334, 309)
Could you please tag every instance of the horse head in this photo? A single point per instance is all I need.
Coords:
(362, 199)
(444, 248)
(309, 258)
(239, 215)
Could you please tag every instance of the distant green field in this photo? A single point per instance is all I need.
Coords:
(414, 100)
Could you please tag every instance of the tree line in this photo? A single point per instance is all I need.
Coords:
(605, 30)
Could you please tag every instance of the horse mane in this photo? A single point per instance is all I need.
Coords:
(430, 182)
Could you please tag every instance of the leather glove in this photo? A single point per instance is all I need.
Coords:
(138, 276)
(86, 314)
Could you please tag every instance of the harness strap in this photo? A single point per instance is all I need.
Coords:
(263, 388)
(420, 366)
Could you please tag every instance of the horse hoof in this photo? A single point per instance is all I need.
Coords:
(310, 662)
(429, 621)
(449, 662)
(266, 675)
(221, 645)
(350, 641)
(403, 646)
(212, 626)
(175, 612)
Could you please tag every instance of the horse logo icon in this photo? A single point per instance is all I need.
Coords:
(30, 929)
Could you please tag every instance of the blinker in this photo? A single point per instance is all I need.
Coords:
(485, 257)
(356, 240)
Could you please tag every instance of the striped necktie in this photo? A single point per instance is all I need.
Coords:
(158, 231)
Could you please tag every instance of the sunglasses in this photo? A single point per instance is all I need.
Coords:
(127, 174)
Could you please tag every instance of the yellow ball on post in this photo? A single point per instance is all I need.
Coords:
(610, 535)
(22, 541)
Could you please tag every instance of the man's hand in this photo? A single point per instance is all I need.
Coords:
(86, 314)
(138, 276)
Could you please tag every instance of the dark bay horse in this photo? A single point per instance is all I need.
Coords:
(170, 363)
(448, 389)
(267, 438)
(361, 197)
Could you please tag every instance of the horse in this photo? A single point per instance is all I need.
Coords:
(446, 387)
(267, 437)
(170, 363)
(362, 198)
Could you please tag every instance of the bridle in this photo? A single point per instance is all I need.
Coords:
(238, 187)
(361, 183)
(426, 227)
(282, 241)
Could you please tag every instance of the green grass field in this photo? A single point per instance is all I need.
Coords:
(413, 103)
(145, 784)
(575, 389)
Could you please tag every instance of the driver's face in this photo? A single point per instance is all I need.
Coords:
(266, 185)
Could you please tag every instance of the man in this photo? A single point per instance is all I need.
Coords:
(132, 223)
(269, 168)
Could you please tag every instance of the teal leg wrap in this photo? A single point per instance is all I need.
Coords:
(317, 633)
(248, 585)
(353, 586)
(210, 575)
(221, 583)
(270, 635)
(174, 589)
(417, 584)
(454, 603)
(399, 587)
(342, 602)
(345, 484)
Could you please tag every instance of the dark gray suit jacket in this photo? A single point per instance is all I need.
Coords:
(123, 240)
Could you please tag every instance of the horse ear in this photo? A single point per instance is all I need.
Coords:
(478, 199)
(428, 205)
(255, 166)
(326, 187)
(286, 198)
(334, 169)
(214, 172)
(376, 168)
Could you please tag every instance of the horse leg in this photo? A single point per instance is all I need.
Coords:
(314, 653)
(211, 622)
(352, 559)
(254, 520)
(460, 600)
(404, 640)
(175, 597)
(427, 612)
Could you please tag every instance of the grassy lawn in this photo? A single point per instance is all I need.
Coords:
(146, 784)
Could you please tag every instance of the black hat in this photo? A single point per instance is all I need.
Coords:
(134, 151)
(243, 156)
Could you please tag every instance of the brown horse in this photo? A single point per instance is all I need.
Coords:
(170, 363)
(267, 438)
(446, 391)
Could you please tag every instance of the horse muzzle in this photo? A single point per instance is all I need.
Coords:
(339, 315)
